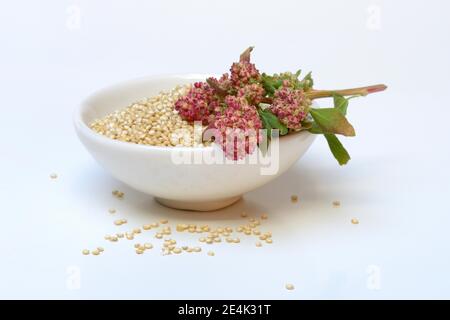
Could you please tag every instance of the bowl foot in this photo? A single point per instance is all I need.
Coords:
(198, 205)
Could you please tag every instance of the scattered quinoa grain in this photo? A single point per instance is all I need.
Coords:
(148, 246)
(85, 252)
(118, 194)
(151, 121)
(294, 198)
(112, 210)
(336, 203)
(95, 252)
(53, 176)
(100, 249)
(211, 253)
(290, 286)
(258, 244)
(355, 221)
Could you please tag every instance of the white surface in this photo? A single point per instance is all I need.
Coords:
(397, 183)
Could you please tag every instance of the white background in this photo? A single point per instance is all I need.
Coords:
(54, 53)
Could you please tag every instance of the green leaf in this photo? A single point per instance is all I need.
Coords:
(307, 125)
(337, 149)
(264, 144)
(270, 83)
(340, 103)
(266, 125)
(270, 121)
(307, 82)
(331, 120)
(315, 129)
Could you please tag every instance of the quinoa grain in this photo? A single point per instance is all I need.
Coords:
(290, 286)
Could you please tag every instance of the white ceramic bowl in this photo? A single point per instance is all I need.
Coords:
(152, 170)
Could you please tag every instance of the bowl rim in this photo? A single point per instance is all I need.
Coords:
(83, 128)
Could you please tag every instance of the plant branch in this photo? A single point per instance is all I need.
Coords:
(362, 91)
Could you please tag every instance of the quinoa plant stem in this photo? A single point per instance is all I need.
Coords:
(362, 91)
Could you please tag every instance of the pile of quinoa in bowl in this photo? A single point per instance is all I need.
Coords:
(151, 121)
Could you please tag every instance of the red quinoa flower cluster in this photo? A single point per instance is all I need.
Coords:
(199, 104)
(254, 93)
(290, 106)
(243, 73)
(237, 128)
